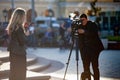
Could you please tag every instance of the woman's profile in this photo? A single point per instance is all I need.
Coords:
(16, 46)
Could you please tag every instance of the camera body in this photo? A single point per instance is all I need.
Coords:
(75, 25)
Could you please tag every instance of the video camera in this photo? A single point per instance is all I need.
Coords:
(75, 18)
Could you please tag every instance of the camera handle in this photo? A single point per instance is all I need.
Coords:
(75, 40)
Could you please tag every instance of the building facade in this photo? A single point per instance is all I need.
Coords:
(61, 8)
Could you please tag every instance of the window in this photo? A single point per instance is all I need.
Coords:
(105, 23)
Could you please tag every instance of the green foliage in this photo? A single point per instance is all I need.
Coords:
(113, 38)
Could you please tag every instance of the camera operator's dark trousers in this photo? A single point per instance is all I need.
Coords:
(88, 57)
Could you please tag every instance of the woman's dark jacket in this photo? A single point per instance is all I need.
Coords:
(90, 41)
(17, 41)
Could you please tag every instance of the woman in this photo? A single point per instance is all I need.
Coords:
(16, 45)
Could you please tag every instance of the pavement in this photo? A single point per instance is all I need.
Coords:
(50, 64)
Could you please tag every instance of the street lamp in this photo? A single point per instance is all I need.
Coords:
(50, 14)
(5, 13)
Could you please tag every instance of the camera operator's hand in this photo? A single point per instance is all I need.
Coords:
(81, 31)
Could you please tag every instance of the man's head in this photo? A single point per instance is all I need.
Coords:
(84, 19)
(83, 16)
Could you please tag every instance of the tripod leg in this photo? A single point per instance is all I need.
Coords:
(68, 61)
(77, 57)
(77, 71)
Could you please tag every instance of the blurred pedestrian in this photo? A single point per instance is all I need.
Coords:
(48, 37)
(90, 47)
(32, 37)
(68, 37)
(62, 41)
(16, 47)
(116, 29)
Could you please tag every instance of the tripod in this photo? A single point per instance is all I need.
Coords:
(75, 40)
(84, 75)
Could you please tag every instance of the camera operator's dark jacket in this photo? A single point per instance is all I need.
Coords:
(17, 42)
(89, 42)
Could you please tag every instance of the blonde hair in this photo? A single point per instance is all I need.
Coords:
(15, 20)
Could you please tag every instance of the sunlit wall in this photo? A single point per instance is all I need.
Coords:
(61, 8)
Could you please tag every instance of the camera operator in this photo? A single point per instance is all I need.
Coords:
(90, 46)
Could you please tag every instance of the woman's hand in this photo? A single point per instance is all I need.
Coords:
(27, 33)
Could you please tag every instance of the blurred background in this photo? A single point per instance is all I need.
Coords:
(49, 40)
(45, 18)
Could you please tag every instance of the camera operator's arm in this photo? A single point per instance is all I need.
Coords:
(81, 31)
(90, 29)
